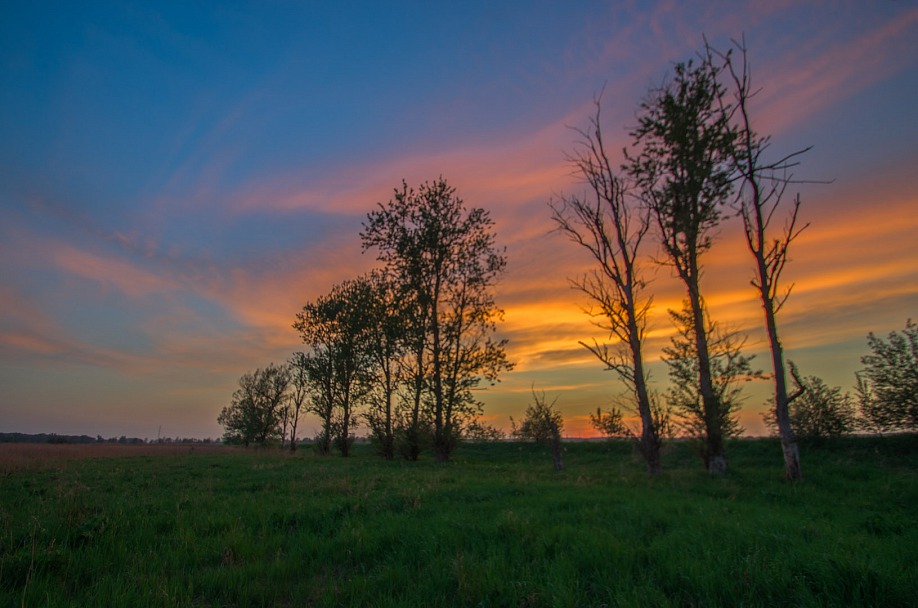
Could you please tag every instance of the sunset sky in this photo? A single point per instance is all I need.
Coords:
(177, 179)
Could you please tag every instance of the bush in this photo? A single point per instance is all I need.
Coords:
(819, 412)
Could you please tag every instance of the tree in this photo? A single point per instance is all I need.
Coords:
(387, 347)
(888, 385)
(608, 224)
(539, 420)
(337, 326)
(609, 423)
(683, 171)
(728, 367)
(255, 413)
(445, 258)
(299, 391)
(542, 423)
(763, 185)
(820, 411)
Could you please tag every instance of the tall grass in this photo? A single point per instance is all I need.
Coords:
(496, 527)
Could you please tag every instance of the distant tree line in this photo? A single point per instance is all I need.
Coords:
(54, 438)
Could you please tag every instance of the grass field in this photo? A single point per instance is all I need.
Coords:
(495, 527)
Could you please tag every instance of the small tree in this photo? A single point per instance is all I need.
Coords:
(820, 411)
(712, 424)
(888, 385)
(480, 432)
(609, 423)
(542, 423)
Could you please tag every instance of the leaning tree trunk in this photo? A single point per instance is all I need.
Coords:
(792, 470)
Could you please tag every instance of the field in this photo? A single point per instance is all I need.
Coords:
(495, 527)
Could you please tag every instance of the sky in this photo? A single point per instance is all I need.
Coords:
(178, 179)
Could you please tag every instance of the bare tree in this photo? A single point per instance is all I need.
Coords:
(609, 224)
(683, 171)
(763, 186)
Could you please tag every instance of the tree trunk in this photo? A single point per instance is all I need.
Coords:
(792, 469)
(556, 451)
(715, 457)
(650, 439)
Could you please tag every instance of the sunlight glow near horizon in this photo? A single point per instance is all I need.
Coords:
(175, 183)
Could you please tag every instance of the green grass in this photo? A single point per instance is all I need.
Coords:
(495, 527)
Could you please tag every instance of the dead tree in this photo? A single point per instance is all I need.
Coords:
(760, 197)
(610, 225)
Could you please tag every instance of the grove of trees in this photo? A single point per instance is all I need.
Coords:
(404, 348)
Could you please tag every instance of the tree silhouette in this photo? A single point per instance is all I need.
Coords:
(336, 326)
(683, 172)
(610, 226)
(255, 413)
(763, 186)
(445, 258)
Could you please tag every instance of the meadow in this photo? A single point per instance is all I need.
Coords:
(495, 527)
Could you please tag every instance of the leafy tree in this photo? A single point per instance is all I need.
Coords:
(683, 170)
(336, 326)
(254, 416)
(445, 258)
(728, 367)
(609, 224)
(820, 411)
(888, 384)
(761, 195)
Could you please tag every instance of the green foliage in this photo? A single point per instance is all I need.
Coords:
(541, 421)
(256, 412)
(222, 527)
(888, 385)
(338, 328)
(478, 431)
(609, 423)
(444, 258)
(729, 367)
(820, 411)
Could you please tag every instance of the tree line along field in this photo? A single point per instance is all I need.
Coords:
(496, 526)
